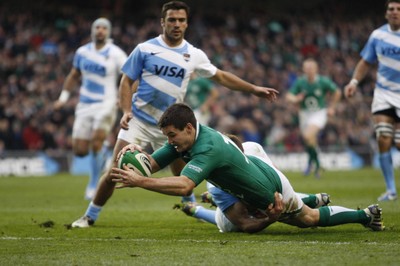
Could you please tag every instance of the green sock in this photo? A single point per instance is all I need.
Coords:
(309, 153)
(309, 199)
(335, 215)
(313, 155)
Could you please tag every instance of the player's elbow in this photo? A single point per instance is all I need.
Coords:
(187, 186)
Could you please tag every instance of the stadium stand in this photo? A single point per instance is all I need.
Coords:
(263, 44)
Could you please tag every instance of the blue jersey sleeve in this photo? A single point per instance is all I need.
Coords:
(134, 64)
(369, 53)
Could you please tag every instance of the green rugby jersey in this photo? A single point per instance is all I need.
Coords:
(217, 159)
(197, 92)
(314, 93)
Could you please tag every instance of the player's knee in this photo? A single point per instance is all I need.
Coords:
(80, 148)
(80, 152)
(97, 146)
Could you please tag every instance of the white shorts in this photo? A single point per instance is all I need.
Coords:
(384, 99)
(316, 118)
(292, 201)
(202, 117)
(91, 117)
(223, 223)
(142, 134)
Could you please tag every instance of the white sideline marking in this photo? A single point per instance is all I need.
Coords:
(186, 240)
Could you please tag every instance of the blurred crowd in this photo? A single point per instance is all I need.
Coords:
(36, 54)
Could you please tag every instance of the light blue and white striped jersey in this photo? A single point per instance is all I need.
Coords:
(100, 70)
(384, 46)
(163, 74)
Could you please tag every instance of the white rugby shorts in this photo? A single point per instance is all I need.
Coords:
(317, 118)
(384, 99)
(142, 134)
(94, 116)
(291, 200)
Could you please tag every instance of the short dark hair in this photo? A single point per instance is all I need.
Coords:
(174, 5)
(391, 1)
(177, 115)
(235, 140)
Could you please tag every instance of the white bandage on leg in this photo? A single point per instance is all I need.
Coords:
(397, 136)
(384, 129)
(223, 224)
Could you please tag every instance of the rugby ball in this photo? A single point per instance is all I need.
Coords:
(137, 161)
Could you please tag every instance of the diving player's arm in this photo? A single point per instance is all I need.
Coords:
(172, 185)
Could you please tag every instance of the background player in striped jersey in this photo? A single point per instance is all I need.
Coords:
(97, 66)
(383, 47)
(161, 67)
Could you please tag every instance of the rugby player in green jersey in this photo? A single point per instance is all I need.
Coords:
(214, 157)
(310, 91)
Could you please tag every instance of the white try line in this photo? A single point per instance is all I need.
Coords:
(12, 238)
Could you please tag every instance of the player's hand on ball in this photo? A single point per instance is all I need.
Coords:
(125, 177)
(129, 147)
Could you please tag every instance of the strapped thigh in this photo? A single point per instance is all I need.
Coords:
(397, 136)
(383, 129)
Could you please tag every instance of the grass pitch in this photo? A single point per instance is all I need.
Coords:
(139, 227)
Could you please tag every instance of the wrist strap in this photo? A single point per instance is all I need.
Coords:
(354, 82)
(64, 96)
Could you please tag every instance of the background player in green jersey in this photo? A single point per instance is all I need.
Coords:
(311, 91)
(214, 157)
(200, 96)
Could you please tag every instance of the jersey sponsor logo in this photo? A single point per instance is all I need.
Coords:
(93, 67)
(169, 71)
(195, 168)
(390, 51)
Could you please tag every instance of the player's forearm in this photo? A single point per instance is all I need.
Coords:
(71, 81)
(336, 98)
(233, 82)
(125, 94)
(174, 185)
(291, 98)
(360, 71)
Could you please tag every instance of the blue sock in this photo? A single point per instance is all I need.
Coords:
(93, 211)
(191, 198)
(96, 165)
(205, 214)
(386, 163)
